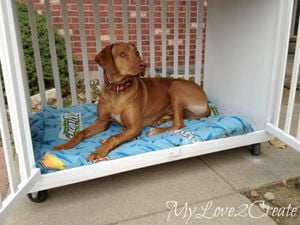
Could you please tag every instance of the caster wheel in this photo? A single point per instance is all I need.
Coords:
(255, 149)
(38, 197)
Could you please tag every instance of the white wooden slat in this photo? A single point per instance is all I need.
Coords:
(187, 40)
(298, 130)
(11, 49)
(294, 16)
(293, 86)
(8, 152)
(53, 54)
(36, 52)
(64, 13)
(280, 59)
(138, 25)
(10, 45)
(98, 39)
(111, 22)
(125, 20)
(286, 138)
(6, 53)
(164, 38)
(21, 56)
(97, 170)
(176, 21)
(199, 39)
(152, 33)
(279, 70)
(84, 53)
(12, 201)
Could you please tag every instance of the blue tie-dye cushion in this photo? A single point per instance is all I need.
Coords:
(46, 130)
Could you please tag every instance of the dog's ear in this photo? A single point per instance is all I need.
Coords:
(106, 60)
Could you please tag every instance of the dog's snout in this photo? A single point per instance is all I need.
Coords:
(142, 64)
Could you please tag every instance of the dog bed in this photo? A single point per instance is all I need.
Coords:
(54, 126)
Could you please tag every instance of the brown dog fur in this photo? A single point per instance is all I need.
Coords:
(136, 102)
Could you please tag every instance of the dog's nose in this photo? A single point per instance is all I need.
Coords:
(142, 64)
(143, 67)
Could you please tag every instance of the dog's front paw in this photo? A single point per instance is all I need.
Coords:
(96, 156)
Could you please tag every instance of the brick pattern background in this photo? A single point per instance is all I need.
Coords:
(90, 31)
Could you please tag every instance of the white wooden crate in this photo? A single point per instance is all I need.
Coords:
(246, 53)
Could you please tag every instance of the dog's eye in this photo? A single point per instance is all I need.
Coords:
(137, 54)
(122, 54)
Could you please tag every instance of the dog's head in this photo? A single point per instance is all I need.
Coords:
(121, 61)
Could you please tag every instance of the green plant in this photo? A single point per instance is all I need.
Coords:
(44, 51)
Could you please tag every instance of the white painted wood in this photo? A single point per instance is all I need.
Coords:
(285, 137)
(10, 45)
(111, 22)
(246, 46)
(8, 152)
(151, 34)
(293, 86)
(294, 16)
(240, 55)
(187, 40)
(36, 52)
(175, 40)
(280, 59)
(12, 201)
(107, 168)
(138, 26)
(199, 41)
(53, 54)
(125, 20)
(84, 53)
(164, 38)
(64, 12)
(98, 39)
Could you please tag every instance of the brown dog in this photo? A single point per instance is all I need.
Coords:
(136, 102)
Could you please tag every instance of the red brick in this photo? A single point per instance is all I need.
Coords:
(118, 26)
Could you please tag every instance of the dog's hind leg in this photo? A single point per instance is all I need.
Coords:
(177, 118)
(177, 124)
(187, 99)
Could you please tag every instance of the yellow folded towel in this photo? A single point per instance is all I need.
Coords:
(52, 162)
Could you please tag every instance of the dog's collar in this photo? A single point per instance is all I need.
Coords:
(116, 87)
(120, 87)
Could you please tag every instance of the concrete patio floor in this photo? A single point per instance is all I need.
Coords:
(202, 190)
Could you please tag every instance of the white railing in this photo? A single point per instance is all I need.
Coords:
(285, 105)
(15, 131)
(153, 16)
(15, 99)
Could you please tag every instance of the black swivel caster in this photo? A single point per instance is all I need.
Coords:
(255, 149)
(38, 197)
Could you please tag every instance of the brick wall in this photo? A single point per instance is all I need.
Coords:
(132, 26)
